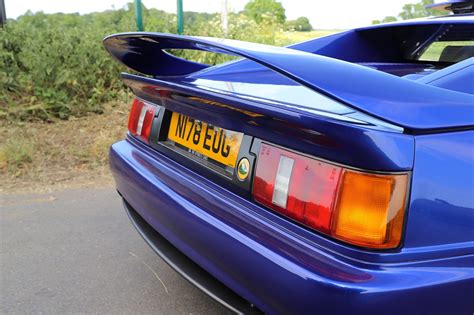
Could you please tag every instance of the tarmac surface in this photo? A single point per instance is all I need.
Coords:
(75, 251)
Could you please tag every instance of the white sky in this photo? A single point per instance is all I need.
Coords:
(322, 14)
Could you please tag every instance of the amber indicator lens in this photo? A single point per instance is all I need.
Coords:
(370, 209)
(360, 208)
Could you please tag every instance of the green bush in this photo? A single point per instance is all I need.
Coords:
(54, 65)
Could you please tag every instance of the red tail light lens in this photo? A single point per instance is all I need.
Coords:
(359, 208)
(141, 119)
(310, 188)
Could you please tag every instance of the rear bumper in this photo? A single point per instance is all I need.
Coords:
(187, 268)
(274, 264)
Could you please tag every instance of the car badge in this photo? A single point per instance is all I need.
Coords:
(243, 169)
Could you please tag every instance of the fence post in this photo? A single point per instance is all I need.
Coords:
(224, 18)
(138, 15)
(3, 13)
(180, 17)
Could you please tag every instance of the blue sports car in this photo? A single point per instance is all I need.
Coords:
(334, 176)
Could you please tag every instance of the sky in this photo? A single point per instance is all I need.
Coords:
(342, 14)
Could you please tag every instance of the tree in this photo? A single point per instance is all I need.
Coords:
(258, 9)
(412, 11)
(386, 19)
(418, 10)
(301, 24)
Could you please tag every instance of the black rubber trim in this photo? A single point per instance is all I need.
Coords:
(189, 269)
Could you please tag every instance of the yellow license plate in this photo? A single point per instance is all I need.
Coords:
(216, 143)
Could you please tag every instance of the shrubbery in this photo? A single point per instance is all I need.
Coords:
(54, 65)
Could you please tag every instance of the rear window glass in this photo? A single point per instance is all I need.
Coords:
(448, 51)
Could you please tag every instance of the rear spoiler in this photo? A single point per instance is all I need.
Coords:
(399, 101)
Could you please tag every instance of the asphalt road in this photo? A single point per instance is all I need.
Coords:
(75, 251)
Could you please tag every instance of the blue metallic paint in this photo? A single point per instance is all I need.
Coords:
(459, 77)
(275, 264)
(397, 100)
(303, 131)
(442, 201)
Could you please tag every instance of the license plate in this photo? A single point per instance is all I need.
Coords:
(216, 143)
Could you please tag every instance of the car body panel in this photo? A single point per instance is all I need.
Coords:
(311, 132)
(402, 102)
(360, 109)
(442, 202)
(459, 77)
(275, 264)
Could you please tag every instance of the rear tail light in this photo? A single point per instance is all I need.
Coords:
(359, 208)
(141, 119)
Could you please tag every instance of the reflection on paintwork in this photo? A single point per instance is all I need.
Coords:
(289, 93)
(209, 102)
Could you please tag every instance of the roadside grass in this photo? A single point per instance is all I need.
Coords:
(39, 156)
(288, 38)
(16, 154)
(435, 50)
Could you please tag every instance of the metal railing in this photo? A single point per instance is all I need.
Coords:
(139, 18)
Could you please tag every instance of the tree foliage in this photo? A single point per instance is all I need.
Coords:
(301, 24)
(412, 11)
(418, 10)
(386, 19)
(260, 10)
